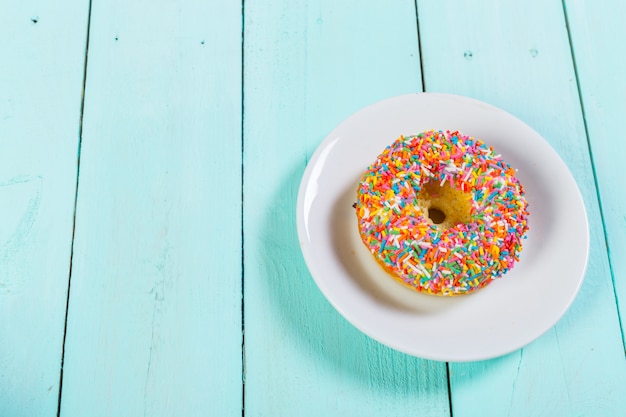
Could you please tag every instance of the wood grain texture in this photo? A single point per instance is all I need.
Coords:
(516, 55)
(308, 65)
(155, 319)
(594, 29)
(154, 324)
(42, 48)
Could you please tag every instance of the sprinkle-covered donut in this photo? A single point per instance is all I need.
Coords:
(442, 213)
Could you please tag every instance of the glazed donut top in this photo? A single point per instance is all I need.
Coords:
(481, 244)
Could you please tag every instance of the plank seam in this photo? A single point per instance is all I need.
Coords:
(79, 146)
(243, 334)
(449, 388)
(593, 169)
(419, 46)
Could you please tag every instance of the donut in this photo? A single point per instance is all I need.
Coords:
(442, 213)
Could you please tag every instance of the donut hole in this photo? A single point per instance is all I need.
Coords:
(444, 205)
(437, 216)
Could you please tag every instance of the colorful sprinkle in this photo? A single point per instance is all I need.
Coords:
(461, 258)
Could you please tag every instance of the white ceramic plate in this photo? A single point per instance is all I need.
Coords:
(507, 314)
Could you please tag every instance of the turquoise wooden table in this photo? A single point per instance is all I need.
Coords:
(150, 158)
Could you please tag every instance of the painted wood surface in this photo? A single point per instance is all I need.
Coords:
(521, 61)
(594, 27)
(42, 49)
(162, 269)
(154, 324)
(308, 65)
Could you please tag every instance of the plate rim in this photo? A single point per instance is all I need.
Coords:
(311, 265)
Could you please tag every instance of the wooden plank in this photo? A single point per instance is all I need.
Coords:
(154, 324)
(597, 31)
(42, 49)
(307, 66)
(516, 55)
